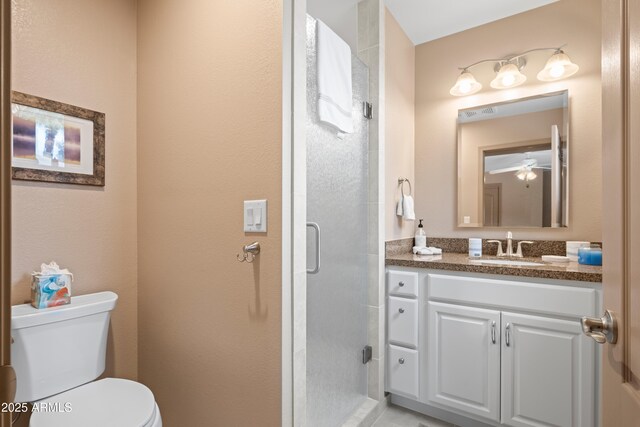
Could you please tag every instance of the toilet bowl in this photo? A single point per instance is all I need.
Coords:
(104, 403)
(59, 352)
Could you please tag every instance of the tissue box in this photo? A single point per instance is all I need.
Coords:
(50, 290)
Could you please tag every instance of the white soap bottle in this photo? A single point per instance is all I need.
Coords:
(421, 236)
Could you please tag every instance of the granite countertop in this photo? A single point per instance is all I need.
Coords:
(462, 262)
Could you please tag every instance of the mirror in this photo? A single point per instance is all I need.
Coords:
(512, 163)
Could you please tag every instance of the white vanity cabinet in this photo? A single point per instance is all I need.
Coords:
(501, 351)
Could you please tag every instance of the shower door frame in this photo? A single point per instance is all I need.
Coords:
(294, 213)
(294, 218)
(294, 200)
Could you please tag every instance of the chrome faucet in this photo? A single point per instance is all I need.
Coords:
(509, 252)
(509, 243)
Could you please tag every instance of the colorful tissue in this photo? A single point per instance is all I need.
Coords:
(51, 286)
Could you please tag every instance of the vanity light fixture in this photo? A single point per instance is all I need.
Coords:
(465, 85)
(559, 66)
(509, 71)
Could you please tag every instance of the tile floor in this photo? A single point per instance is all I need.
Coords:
(396, 416)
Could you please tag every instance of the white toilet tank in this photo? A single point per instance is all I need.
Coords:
(57, 349)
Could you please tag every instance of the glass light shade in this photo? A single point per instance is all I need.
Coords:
(559, 66)
(509, 76)
(526, 174)
(465, 85)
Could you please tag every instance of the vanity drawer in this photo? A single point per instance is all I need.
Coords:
(402, 283)
(403, 321)
(554, 300)
(403, 371)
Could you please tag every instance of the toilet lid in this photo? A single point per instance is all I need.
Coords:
(106, 403)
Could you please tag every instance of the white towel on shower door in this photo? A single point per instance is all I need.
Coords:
(334, 79)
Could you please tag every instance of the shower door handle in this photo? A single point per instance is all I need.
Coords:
(316, 227)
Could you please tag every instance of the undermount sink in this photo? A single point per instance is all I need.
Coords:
(509, 262)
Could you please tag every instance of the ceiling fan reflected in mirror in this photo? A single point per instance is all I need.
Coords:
(523, 171)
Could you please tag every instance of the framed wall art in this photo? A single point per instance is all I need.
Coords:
(56, 142)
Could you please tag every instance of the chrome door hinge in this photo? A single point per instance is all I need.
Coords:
(367, 354)
(367, 110)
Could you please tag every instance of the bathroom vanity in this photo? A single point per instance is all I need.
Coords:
(491, 345)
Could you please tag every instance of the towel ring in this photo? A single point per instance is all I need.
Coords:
(401, 182)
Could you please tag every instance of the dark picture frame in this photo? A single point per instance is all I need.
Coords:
(75, 169)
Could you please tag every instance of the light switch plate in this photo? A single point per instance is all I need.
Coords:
(255, 216)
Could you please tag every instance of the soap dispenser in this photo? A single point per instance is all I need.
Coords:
(421, 236)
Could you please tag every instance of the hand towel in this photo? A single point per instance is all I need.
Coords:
(421, 250)
(334, 79)
(408, 213)
(399, 210)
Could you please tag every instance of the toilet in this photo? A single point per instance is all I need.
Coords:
(59, 352)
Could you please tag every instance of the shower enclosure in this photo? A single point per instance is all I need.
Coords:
(337, 197)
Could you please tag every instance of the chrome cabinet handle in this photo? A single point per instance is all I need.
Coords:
(401, 361)
(401, 284)
(602, 330)
(507, 334)
(493, 332)
(401, 310)
(316, 227)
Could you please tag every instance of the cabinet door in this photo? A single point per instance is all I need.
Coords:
(463, 350)
(548, 372)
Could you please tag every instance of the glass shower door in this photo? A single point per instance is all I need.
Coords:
(337, 196)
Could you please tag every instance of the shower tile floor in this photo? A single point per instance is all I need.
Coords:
(396, 416)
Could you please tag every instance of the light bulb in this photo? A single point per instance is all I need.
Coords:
(508, 80)
(508, 76)
(465, 87)
(556, 71)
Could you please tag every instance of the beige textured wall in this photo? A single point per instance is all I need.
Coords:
(209, 137)
(519, 206)
(83, 53)
(399, 123)
(575, 22)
